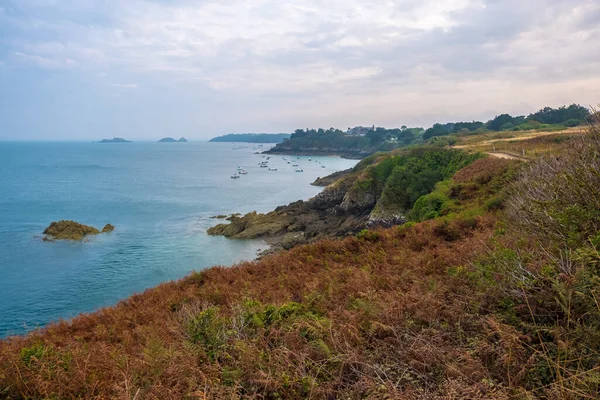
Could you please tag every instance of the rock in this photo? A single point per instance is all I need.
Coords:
(219, 216)
(71, 230)
(108, 228)
(385, 221)
(329, 179)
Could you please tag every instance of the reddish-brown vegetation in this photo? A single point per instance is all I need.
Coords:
(372, 317)
(460, 307)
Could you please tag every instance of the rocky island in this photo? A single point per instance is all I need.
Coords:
(71, 230)
(115, 140)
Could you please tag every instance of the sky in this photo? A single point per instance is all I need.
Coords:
(146, 69)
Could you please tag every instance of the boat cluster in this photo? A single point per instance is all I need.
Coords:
(265, 164)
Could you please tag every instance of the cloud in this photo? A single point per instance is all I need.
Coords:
(125, 85)
(306, 59)
(45, 62)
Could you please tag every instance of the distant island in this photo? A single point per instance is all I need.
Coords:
(171, 140)
(252, 138)
(115, 140)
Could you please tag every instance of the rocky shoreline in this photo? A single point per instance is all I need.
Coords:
(339, 210)
(350, 155)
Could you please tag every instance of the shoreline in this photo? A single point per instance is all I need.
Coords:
(316, 153)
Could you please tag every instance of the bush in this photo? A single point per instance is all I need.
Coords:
(369, 236)
(557, 198)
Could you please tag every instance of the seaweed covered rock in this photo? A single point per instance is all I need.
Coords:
(108, 228)
(71, 230)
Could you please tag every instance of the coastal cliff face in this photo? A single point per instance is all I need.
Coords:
(379, 191)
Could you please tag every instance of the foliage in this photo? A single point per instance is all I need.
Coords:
(370, 236)
(452, 127)
(557, 196)
(367, 141)
(572, 115)
(416, 173)
(252, 138)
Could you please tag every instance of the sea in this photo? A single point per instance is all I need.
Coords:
(159, 196)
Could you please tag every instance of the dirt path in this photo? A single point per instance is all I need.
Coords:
(507, 156)
(528, 136)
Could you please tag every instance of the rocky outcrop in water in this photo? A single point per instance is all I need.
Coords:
(71, 230)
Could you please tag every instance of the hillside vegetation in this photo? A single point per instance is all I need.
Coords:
(490, 292)
(360, 142)
(252, 138)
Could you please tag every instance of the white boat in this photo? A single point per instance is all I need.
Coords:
(264, 166)
(235, 177)
(322, 166)
(240, 168)
(243, 172)
(310, 159)
(295, 165)
(272, 169)
(299, 170)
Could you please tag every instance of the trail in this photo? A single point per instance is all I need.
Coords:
(528, 136)
(507, 156)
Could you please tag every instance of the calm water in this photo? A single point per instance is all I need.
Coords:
(159, 196)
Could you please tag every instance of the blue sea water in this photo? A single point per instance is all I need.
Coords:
(159, 196)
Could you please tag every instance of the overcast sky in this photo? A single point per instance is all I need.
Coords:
(86, 69)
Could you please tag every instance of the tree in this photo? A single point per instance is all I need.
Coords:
(501, 120)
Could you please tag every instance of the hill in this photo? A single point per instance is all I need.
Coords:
(355, 143)
(489, 292)
(252, 138)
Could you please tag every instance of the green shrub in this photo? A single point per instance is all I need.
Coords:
(495, 203)
(32, 354)
(369, 236)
